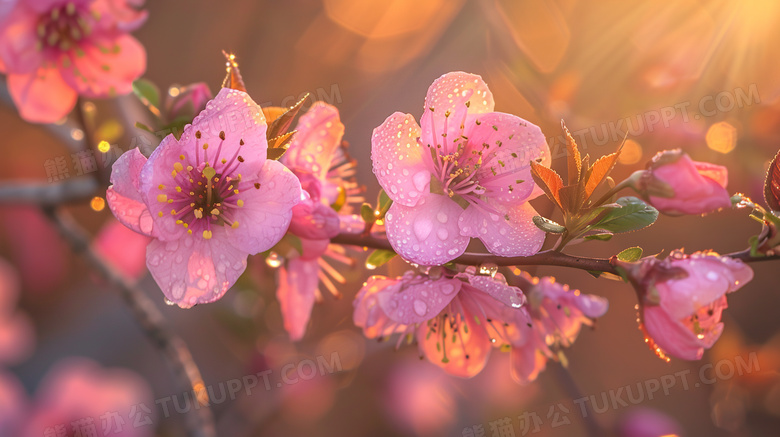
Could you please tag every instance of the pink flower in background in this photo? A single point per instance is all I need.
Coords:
(78, 397)
(316, 157)
(208, 200)
(462, 172)
(190, 100)
(123, 248)
(55, 50)
(456, 321)
(647, 422)
(682, 299)
(699, 187)
(16, 330)
(558, 314)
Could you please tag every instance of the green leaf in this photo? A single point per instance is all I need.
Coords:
(634, 214)
(379, 258)
(599, 237)
(383, 203)
(631, 254)
(367, 212)
(548, 225)
(147, 92)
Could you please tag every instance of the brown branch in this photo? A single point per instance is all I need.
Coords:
(545, 258)
(200, 421)
(48, 194)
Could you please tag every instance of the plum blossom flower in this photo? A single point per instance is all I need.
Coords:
(207, 200)
(316, 157)
(54, 50)
(682, 299)
(462, 172)
(122, 248)
(691, 187)
(16, 331)
(78, 397)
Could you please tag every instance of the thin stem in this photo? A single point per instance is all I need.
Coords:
(548, 257)
(200, 422)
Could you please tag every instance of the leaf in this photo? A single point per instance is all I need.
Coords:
(634, 214)
(275, 154)
(383, 203)
(142, 126)
(549, 181)
(367, 213)
(148, 93)
(282, 141)
(281, 124)
(631, 254)
(271, 113)
(548, 225)
(600, 237)
(379, 258)
(572, 157)
(233, 79)
(571, 198)
(772, 184)
(600, 171)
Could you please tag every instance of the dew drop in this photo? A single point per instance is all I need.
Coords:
(420, 307)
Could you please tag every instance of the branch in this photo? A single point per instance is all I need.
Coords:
(200, 421)
(545, 258)
(48, 194)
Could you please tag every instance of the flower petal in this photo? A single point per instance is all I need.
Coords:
(13, 403)
(397, 159)
(526, 362)
(314, 220)
(497, 289)
(427, 233)
(298, 282)
(450, 99)
(717, 173)
(368, 313)
(106, 67)
(123, 196)
(41, 97)
(517, 236)
(192, 270)
(16, 338)
(122, 248)
(419, 300)
(18, 40)
(267, 210)
(671, 335)
(319, 133)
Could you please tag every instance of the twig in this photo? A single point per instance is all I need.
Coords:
(546, 258)
(200, 421)
(48, 194)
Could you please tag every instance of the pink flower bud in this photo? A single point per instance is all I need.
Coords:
(682, 299)
(676, 185)
(189, 102)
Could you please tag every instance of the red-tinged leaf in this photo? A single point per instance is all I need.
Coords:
(233, 78)
(571, 198)
(772, 184)
(281, 124)
(600, 171)
(271, 113)
(572, 157)
(282, 141)
(548, 180)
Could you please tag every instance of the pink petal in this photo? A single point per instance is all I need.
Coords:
(526, 362)
(18, 40)
(516, 237)
(591, 306)
(427, 233)
(446, 104)
(717, 173)
(420, 300)
(9, 287)
(313, 249)
(106, 67)
(476, 345)
(192, 270)
(267, 210)
(369, 314)
(495, 288)
(351, 224)
(155, 173)
(314, 220)
(298, 282)
(397, 159)
(670, 335)
(123, 196)
(13, 403)
(508, 145)
(17, 338)
(319, 133)
(122, 248)
(119, 14)
(41, 97)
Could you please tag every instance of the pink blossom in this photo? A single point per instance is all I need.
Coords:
(682, 299)
(122, 248)
(647, 422)
(698, 187)
(16, 330)
(78, 397)
(316, 157)
(456, 320)
(190, 100)
(462, 172)
(208, 199)
(54, 50)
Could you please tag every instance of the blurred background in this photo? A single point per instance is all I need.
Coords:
(700, 75)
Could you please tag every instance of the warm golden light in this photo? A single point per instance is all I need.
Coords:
(631, 153)
(104, 147)
(97, 203)
(722, 137)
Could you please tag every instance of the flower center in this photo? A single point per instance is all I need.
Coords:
(206, 193)
(63, 27)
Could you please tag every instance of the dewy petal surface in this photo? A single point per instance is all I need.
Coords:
(298, 282)
(517, 236)
(419, 301)
(319, 133)
(123, 196)
(397, 159)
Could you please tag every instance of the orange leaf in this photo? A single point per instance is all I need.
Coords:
(772, 184)
(599, 171)
(548, 180)
(573, 157)
(233, 79)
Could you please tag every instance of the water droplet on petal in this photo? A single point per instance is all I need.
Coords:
(420, 307)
